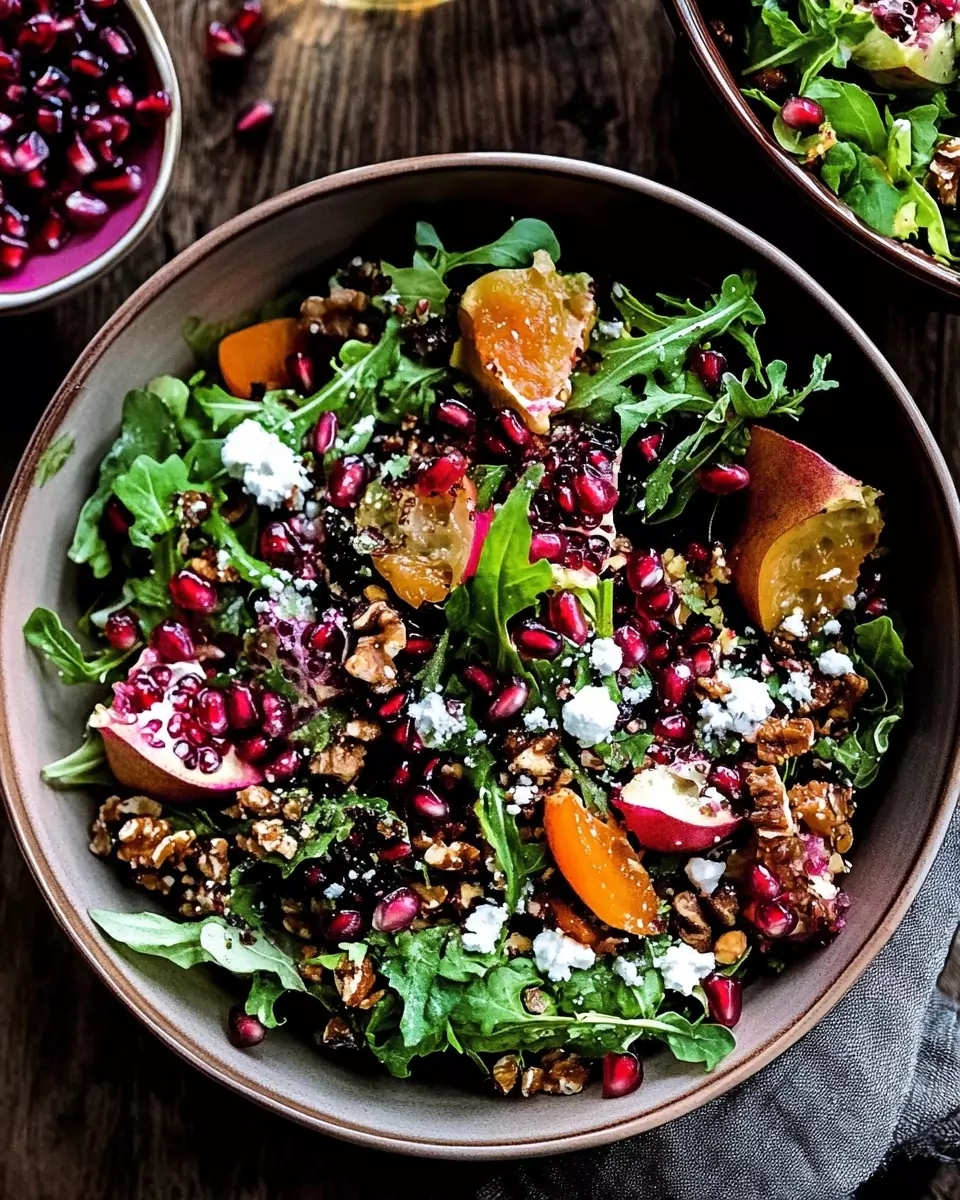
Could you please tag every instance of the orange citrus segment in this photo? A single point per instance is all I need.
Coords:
(523, 331)
(598, 861)
(258, 354)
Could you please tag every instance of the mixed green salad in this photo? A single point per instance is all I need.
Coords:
(442, 720)
(863, 95)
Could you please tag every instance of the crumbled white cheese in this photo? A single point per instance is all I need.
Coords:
(704, 874)
(636, 695)
(334, 891)
(223, 559)
(524, 793)
(536, 718)
(798, 688)
(628, 970)
(743, 709)
(795, 624)
(831, 628)
(557, 955)
(435, 723)
(849, 602)
(833, 663)
(682, 968)
(513, 809)
(590, 716)
(482, 927)
(606, 657)
(270, 470)
(610, 329)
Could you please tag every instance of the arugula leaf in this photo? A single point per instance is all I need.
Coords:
(150, 595)
(86, 765)
(223, 535)
(44, 630)
(54, 459)
(147, 427)
(265, 991)
(515, 248)
(852, 113)
(506, 582)
(430, 676)
(517, 860)
(211, 940)
(823, 36)
(149, 489)
(488, 480)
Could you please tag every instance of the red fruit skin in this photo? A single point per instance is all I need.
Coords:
(622, 1075)
(481, 527)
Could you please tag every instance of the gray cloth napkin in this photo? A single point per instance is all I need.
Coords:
(879, 1075)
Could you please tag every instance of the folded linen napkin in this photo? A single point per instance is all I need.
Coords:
(880, 1075)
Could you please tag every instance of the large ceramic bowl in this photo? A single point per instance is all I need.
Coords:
(693, 19)
(659, 240)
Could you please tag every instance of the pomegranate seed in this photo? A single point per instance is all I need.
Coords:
(122, 630)
(208, 760)
(284, 766)
(774, 919)
(480, 678)
(456, 415)
(429, 806)
(649, 447)
(633, 644)
(947, 8)
(547, 545)
(146, 691)
(346, 482)
(660, 648)
(622, 1074)
(52, 83)
(241, 706)
(674, 728)
(253, 749)
(277, 715)
(10, 65)
(250, 23)
(97, 128)
(726, 780)
(12, 222)
(534, 641)
(658, 603)
(244, 1030)
(698, 556)
(495, 444)
(210, 711)
(391, 708)
(9, 8)
(345, 926)
(511, 425)
(420, 646)
(120, 97)
(595, 494)
(763, 883)
(405, 735)
(326, 432)
(802, 113)
(153, 110)
(402, 776)
(698, 631)
(442, 474)
(328, 637)
(674, 684)
(300, 368)
(566, 617)
(876, 606)
(395, 853)
(510, 701)
(661, 754)
(35, 179)
(85, 211)
(276, 545)
(721, 479)
(644, 570)
(702, 662)
(397, 910)
(566, 498)
(172, 641)
(120, 187)
(30, 152)
(38, 32)
(88, 64)
(49, 117)
(255, 121)
(725, 998)
(118, 516)
(117, 44)
(223, 43)
(191, 592)
(708, 366)
(13, 254)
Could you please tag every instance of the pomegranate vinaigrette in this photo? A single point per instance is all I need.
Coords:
(504, 690)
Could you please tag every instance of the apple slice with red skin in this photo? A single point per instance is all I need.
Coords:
(667, 812)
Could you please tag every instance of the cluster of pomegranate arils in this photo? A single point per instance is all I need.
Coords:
(902, 19)
(73, 102)
(230, 43)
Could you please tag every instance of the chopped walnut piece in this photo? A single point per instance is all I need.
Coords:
(337, 315)
(825, 808)
(385, 636)
(113, 812)
(564, 1076)
(457, 856)
(518, 943)
(945, 172)
(209, 564)
(534, 1001)
(537, 758)
(274, 838)
(505, 1072)
(139, 838)
(780, 738)
(193, 508)
(212, 860)
(343, 760)
(712, 689)
(771, 815)
(255, 802)
(531, 1081)
(354, 980)
(311, 972)
(692, 925)
(723, 905)
(338, 1035)
(430, 897)
(363, 731)
(729, 947)
(295, 805)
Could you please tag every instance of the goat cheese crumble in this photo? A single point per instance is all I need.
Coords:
(536, 718)
(835, 664)
(831, 628)
(435, 723)
(270, 471)
(682, 968)
(628, 970)
(704, 874)
(606, 657)
(590, 716)
(557, 955)
(795, 624)
(482, 927)
(743, 709)
(797, 688)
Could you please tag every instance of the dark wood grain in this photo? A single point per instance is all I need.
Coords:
(90, 1106)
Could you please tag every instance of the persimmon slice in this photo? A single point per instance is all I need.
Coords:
(806, 531)
(258, 355)
(428, 538)
(523, 331)
(597, 860)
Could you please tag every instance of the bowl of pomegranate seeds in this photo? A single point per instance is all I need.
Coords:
(499, 660)
(89, 133)
(853, 104)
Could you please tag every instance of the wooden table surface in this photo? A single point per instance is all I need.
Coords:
(91, 1106)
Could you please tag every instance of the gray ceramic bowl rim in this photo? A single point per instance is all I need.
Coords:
(910, 259)
(59, 289)
(95, 951)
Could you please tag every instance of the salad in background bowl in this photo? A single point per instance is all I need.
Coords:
(493, 675)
